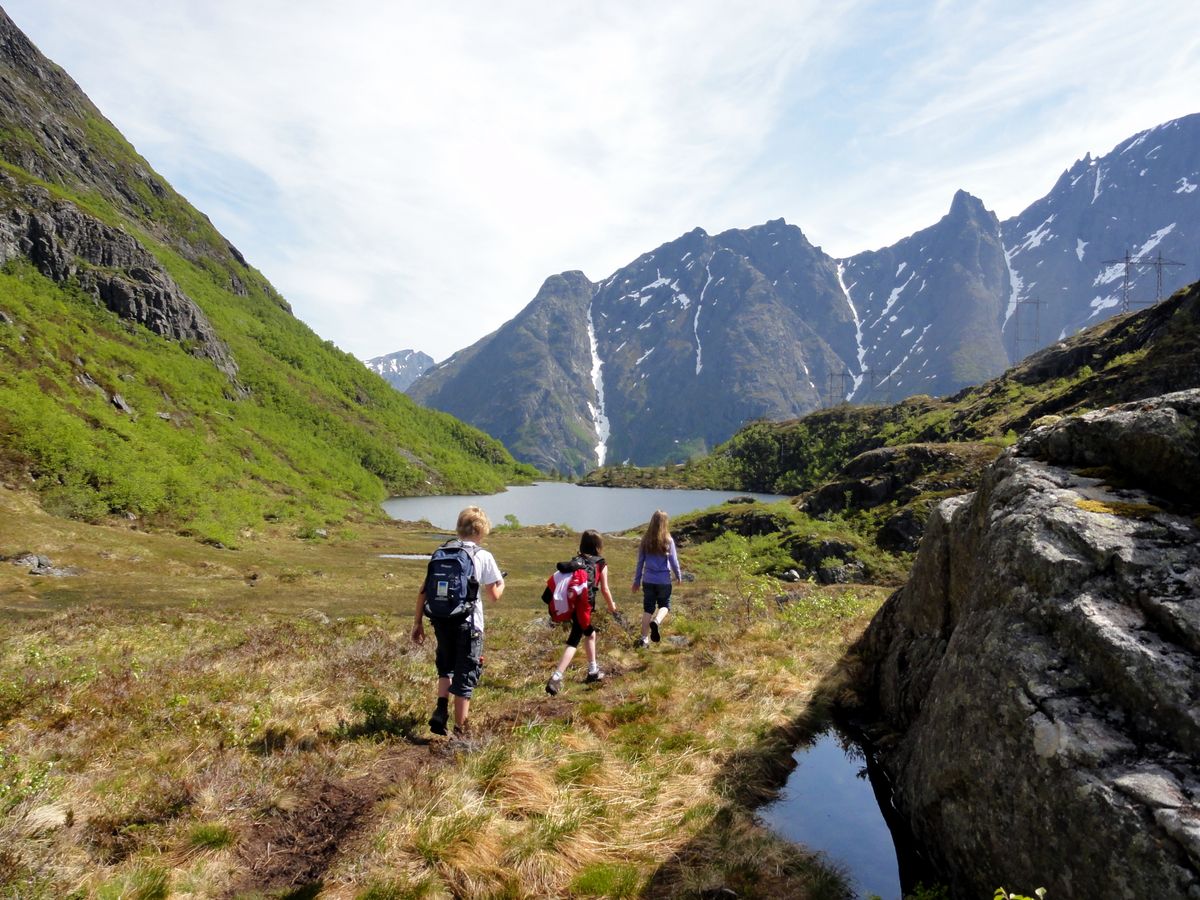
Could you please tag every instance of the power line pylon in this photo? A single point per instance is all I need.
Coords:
(1021, 336)
(1132, 264)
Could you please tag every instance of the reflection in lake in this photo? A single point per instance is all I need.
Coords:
(830, 805)
(557, 503)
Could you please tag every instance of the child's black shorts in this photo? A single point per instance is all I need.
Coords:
(459, 654)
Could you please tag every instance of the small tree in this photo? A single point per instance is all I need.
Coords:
(734, 560)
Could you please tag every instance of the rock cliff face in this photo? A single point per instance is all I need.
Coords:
(108, 263)
(53, 132)
(1038, 675)
(528, 383)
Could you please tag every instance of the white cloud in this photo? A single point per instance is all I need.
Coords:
(385, 164)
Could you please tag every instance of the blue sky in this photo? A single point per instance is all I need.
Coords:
(384, 164)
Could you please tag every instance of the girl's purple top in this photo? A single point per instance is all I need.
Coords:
(656, 568)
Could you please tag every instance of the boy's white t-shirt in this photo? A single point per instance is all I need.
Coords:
(486, 572)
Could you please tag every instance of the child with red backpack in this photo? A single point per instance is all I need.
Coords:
(590, 561)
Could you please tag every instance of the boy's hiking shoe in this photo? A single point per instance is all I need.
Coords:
(554, 685)
(593, 677)
(641, 643)
(654, 636)
(437, 722)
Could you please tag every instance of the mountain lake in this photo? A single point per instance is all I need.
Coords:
(570, 505)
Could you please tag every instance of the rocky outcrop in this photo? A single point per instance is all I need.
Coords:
(1038, 678)
(65, 243)
(908, 480)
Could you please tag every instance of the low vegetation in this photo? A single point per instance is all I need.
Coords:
(188, 721)
(314, 442)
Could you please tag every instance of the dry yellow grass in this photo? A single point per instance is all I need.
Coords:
(207, 722)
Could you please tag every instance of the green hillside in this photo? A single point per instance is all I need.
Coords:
(111, 410)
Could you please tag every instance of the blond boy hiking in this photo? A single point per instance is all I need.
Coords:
(450, 598)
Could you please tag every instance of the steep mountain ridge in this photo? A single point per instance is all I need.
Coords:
(1124, 358)
(147, 371)
(731, 319)
(529, 382)
(929, 306)
(707, 333)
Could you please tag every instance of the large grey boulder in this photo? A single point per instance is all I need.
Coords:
(1038, 676)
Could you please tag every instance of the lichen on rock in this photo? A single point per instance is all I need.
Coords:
(1038, 678)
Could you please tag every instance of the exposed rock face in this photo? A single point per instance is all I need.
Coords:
(529, 382)
(1141, 199)
(929, 306)
(53, 132)
(709, 332)
(1039, 674)
(910, 477)
(108, 263)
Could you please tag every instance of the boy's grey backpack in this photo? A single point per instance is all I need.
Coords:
(450, 583)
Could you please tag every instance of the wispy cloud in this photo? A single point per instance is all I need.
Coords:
(386, 165)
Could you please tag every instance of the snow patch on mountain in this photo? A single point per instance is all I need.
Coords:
(1015, 283)
(1185, 186)
(1080, 243)
(599, 417)
(892, 298)
(1034, 238)
(858, 329)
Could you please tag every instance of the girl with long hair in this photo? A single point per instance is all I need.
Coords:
(657, 564)
(591, 544)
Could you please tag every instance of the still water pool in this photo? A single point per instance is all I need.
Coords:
(832, 804)
(570, 505)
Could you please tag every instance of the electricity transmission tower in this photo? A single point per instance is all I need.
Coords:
(1023, 335)
(835, 398)
(1132, 264)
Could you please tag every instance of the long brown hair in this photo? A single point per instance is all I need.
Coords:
(591, 543)
(657, 539)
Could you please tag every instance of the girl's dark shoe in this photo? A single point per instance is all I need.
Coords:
(654, 636)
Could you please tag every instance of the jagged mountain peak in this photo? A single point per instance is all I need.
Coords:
(402, 368)
(964, 204)
(1139, 199)
(688, 341)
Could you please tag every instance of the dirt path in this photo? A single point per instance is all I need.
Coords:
(292, 851)
(295, 849)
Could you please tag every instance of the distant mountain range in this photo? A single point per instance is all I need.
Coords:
(673, 352)
(400, 369)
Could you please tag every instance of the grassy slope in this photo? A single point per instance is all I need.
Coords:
(174, 712)
(318, 438)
